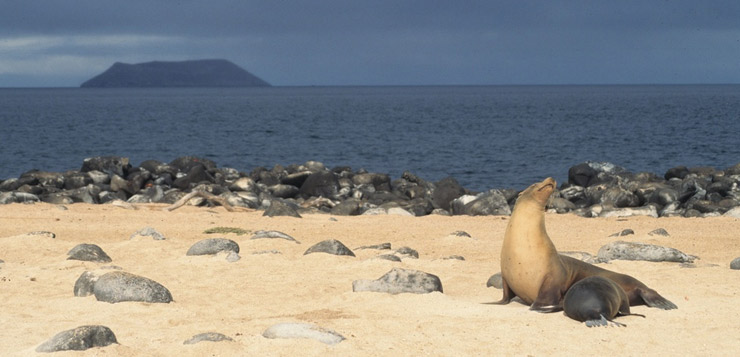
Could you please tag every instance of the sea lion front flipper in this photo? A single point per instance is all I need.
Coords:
(653, 299)
(508, 295)
(549, 298)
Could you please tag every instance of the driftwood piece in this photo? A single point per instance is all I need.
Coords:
(208, 196)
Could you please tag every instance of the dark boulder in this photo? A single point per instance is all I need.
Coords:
(283, 191)
(79, 339)
(320, 184)
(281, 208)
(187, 163)
(295, 179)
(679, 172)
(350, 207)
(195, 175)
(88, 252)
(330, 246)
(581, 175)
(108, 164)
(446, 190)
(381, 182)
(120, 286)
(492, 202)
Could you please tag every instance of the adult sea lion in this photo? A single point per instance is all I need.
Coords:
(596, 301)
(533, 270)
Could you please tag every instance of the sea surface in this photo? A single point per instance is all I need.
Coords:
(484, 136)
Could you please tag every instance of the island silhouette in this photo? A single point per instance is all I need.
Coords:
(194, 73)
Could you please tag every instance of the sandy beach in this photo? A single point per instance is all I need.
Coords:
(241, 299)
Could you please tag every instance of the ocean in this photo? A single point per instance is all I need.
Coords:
(483, 136)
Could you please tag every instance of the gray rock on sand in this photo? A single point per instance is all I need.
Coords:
(148, 232)
(79, 339)
(303, 330)
(120, 286)
(207, 336)
(43, 234)
(659, 232)
(330, 246)
(399, 281)
(409, 252)
(85, 284)
(273, 234)
(281, 208)
(381, 246)
(89, 253)
(735, 264)
(496, 281)
(213, 246)
(390, 257)
(624, 232)
(640, 251)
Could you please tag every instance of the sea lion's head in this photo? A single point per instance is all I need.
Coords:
(539, 192)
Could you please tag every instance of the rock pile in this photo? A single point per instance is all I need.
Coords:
(593, 189)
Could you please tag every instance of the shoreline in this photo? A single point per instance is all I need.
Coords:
(593, 189)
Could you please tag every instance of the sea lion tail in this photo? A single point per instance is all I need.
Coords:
(653, 299)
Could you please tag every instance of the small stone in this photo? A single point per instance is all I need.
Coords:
(390, 257)
(272, 251)
(303, 330)
(43, 234)
(273, 234)
(89, 253)
(460, 234)
(207, 336)
(331, 246)
(79, 339)
(735, 264)
(213, 246)
(411, 253)
(454, 257)
(399, 281)
(495, 281)
(148, 232)
(382, 246)
(624, 232)
(659, 232)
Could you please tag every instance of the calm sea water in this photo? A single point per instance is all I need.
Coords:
(485, 137)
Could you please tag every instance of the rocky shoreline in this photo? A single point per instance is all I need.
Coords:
(594, 189)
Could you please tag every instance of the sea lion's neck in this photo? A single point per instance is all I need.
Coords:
(528, 222)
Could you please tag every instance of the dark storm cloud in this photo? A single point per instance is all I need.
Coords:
(380, 42)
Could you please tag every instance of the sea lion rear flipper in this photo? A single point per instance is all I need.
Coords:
(603, 322)
(653, 299)
(508, 295)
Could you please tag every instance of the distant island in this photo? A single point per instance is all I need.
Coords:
(197, 73)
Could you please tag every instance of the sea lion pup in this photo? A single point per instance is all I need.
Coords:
(532, 269)
(596, 301)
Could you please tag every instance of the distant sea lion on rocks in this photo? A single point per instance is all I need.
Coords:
(596, 301)
(533, 270)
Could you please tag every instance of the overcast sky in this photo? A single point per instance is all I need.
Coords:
(377, 42)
